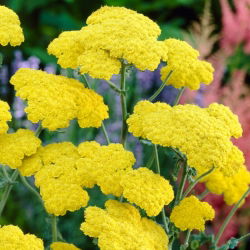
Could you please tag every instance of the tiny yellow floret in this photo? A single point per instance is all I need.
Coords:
(5, 116)
(63, 246)
(191, 214)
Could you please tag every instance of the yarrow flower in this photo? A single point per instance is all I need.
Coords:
(191, 214)
(202, 134)
(10, 30)
(148, 190)
(63, 246)
(55, 100)
(14, 147)
(188, 70)
(12, 237)
(5, 116)
(111, 34)
(232, 187)
(120, 226)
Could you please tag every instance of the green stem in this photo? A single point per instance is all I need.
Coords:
(54, 228)
(151, 160)
(163, 213)
(105, 133)
(31, 189)
(159, 90)
(178, 97)
(5, 173)
(229, 216)
(196, 181)
(124, 130)
(7, 190)
(114, 87)
(244, 237)
(186, 243)
(182, 184)
(38, 130)
(203, 195)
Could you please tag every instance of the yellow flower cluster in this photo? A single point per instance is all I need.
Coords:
(148, 190)
(14, 147)
(111, 34)
(191, 214)
(63, 246)
(120, 226)
(202, 134)
(11, 237)
(5, 116)
(232, 187)
(10, 30)
(55, 100)
(188, 70)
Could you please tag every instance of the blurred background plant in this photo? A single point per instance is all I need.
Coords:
(220, 30)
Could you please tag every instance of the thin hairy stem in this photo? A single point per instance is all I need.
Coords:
(186, 243)
(178, 97)
(182, 184)
(114, 87)
(54, 228)
(204, 194)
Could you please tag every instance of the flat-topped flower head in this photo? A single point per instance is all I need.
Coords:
(120, 226)
(191, 214)
(56, 100)
(148, 190)
(5, 116)
(188, 70)
(15, 147)
(10, 30)
(12, 237)
(63, 246)
(112, 34)
(202, 134)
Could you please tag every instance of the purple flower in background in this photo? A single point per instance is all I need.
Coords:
(50, 68)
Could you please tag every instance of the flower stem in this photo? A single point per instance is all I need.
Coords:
(38, 130)
(7, 190)
(178, 97)
(54, 227)
(114, 87)
(105, 133)
(158, 169)
(182, 184)
(204, 194)
(229, 216)
(186, 243)
(159, 90)
(196, 181)
(124, 130)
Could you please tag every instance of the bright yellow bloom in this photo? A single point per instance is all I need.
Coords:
(5, 116)
(104, 166)
(121, 227)
(148, 190)
(14, 147)
(202, 134)
(188, 70)
(63, 246)
(191, 214)
(10, 30)
(111, 34)
(232, 187)
(56, 100)
(11, 237)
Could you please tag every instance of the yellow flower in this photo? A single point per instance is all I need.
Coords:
(232, 187)
(148, 190)
(56, 100)
(202, 134)
(191, 214)
(5, 116)
(120, 226)
(14, 147)
(10, 30)
(111, 34)
(63, 246)
(13, 238)
(188, 70)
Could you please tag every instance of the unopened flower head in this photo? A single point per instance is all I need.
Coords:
(10, 30)
(191, 214)
(5, 116)
(112, 34)
(56, 100)
(120, 226)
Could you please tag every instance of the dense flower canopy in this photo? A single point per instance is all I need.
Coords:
(191, 214)
(5, 116)
(56, 100)
(63, 246)
(120, 226)
(111, 34)
(14, 147)
(13, 238)
(187, 69)
(10, 30)
(202, 134)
